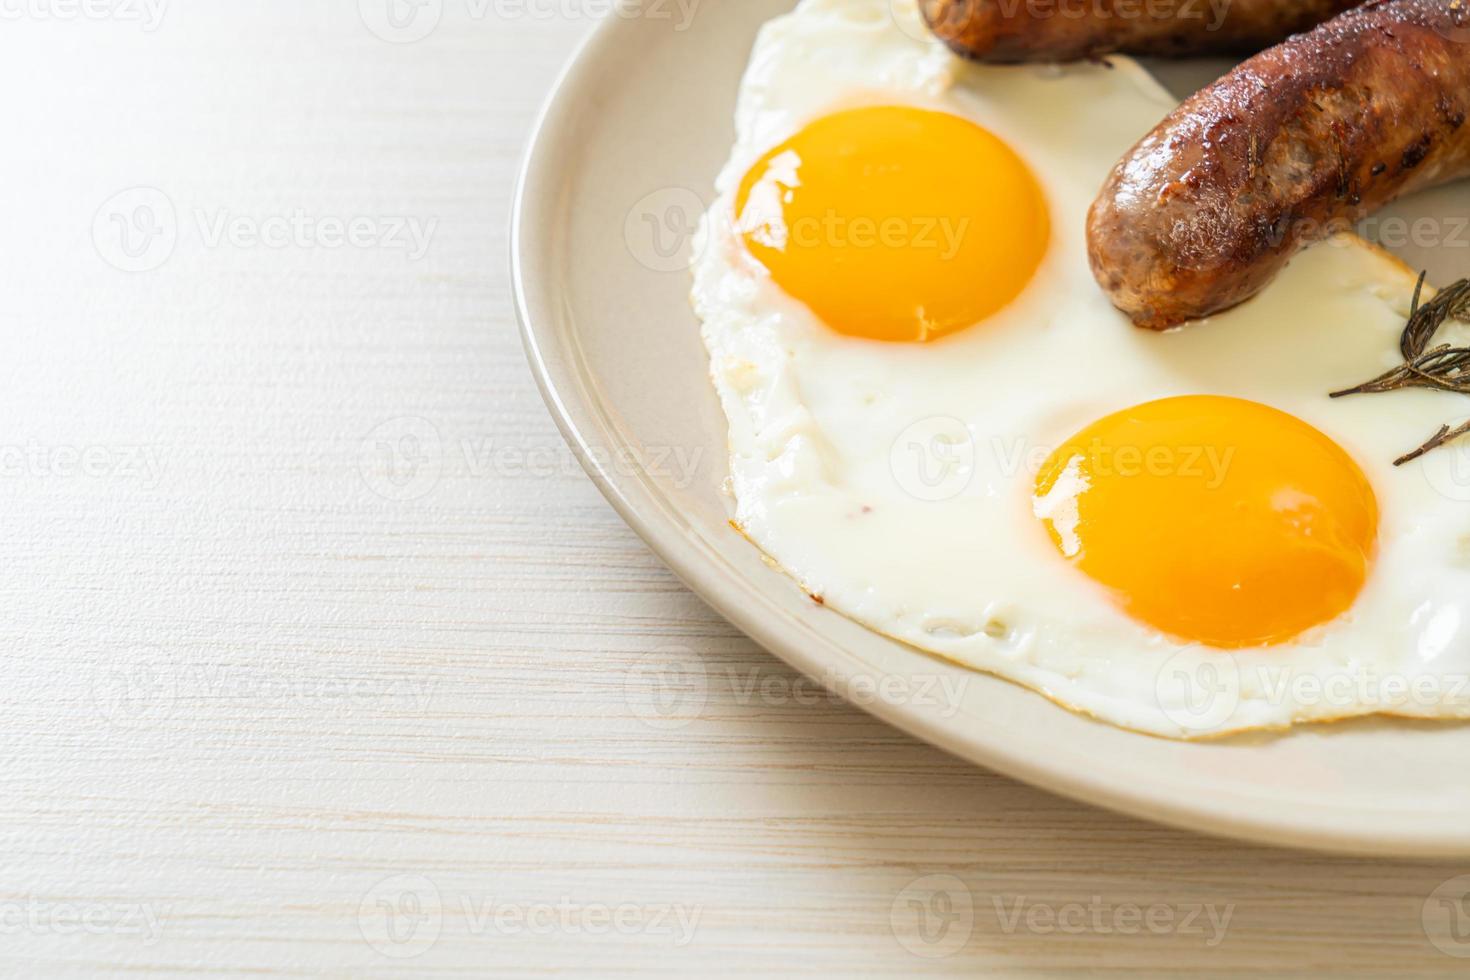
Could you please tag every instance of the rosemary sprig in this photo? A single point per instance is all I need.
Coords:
(1444, 435)
(1443, 368)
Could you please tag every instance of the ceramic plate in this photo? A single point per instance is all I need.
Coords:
(619, 170)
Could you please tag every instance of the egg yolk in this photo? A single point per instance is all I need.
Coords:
(1216, 520)
(894, 223)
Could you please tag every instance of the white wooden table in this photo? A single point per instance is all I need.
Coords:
(321, 655)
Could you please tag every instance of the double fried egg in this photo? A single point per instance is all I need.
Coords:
(939, 425)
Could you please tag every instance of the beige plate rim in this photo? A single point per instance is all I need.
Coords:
(575, 399)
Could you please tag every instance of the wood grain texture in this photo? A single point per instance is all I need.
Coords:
(323, 659)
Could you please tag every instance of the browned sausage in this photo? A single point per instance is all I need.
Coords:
(1066, 30)
(1299, 141)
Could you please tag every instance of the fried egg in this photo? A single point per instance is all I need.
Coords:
(940, 427)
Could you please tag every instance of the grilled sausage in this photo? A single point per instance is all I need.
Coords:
(1067, 30)
(1297, 142)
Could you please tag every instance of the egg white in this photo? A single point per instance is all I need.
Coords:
(835, 469)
